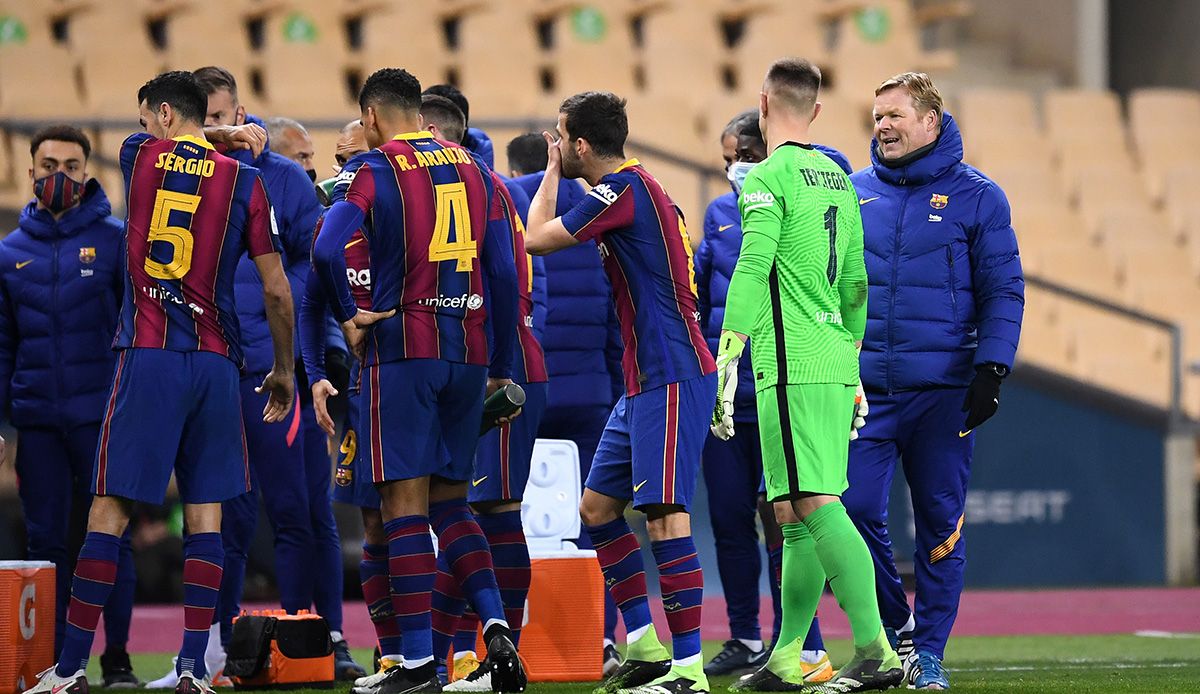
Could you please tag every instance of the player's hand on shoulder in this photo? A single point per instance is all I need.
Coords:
(280, 387)
(322, 390)
(249, 136)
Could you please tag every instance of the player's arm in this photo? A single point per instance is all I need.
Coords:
(546, 233)
(329, 251)
(852, 275)
(262, 246)
(762, 220)
(248, 136)
(500, 284)
(314, 317)
(539, 295)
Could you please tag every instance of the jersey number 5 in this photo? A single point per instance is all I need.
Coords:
(831, 227)
(453, 217)
(179, 238)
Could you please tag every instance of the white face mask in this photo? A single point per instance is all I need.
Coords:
(737, 173)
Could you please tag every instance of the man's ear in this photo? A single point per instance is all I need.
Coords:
(582, 147)
(239, 116)
(762, 104)
(816, 111)
(165, 115)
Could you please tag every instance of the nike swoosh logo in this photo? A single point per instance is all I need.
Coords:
(61, 687)
(863, 201)
(639, 485)
(724, 227)
(476, 483)
(963, 434)
(21, 265)
(354, 242)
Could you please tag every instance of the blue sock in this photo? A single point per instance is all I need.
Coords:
(447, 605)
(95, 573)
(814, 642)
(510, 557)
(203, 559)
(610, 607)
(470, 558)
(682, 584)
(411, 567)
(373, 573)
(119, 608)
(620, 558)
(466, 635)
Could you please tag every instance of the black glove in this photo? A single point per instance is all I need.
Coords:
(983, 395)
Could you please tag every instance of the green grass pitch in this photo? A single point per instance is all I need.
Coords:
(1076, 664)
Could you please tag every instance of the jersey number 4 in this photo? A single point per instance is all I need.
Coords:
(831, 227)
(453, 218)
(178, 238)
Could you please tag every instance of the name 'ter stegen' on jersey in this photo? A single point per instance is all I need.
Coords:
(427, 204)
(648, 258)
(800, 286)
(192, 213)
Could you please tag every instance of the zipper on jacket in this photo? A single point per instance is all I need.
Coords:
(953, 288)
(891, 341)
(54, 327)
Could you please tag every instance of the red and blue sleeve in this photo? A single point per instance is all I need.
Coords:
(608, 206)
(500, 293)
(313, 327)
(261, 235)
(329, 250)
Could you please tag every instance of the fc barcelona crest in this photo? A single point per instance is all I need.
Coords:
(344, 476)
(937, 202)
(87, 255)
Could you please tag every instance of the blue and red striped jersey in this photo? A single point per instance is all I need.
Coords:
(426, 205)
(191, 215)
(645, 249)
(529, 362)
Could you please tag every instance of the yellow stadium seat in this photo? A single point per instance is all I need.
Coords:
(770, 29)
(305, 62)
(1130, 224)
(32, 51)
(1071, 112)
(192, 28)
(677, 40)
(113, 70)
(589, 46)
(1029, 183)
(1101, 187)
(409, 35)
(1156, 109)
(997, 110)
(504, 84)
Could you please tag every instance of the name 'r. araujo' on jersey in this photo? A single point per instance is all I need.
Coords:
(644, 245)
(799, 289)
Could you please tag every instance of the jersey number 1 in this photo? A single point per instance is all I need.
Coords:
(453, 217)
(831, 227)
(179, 238)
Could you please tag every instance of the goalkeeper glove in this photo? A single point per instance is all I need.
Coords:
(983, 396)
(860, 412)
(729, 353)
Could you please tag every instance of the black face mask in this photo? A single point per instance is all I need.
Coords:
(906, 159)
(312, 174)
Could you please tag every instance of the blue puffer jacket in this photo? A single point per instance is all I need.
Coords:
(715, 260)
(61, 285)
(946, 288)
(294, 202)
(582, 339)
(478, 142)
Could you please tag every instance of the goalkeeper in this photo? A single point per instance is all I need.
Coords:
(800, 291)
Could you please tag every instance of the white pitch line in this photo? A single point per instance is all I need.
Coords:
(1091, 665)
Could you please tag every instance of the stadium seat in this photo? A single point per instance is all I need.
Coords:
(677, 40)
(1071, 113)
(1102, 187)
(997, 110)
(305, 62)
(767, 29)
(411, 35)
(845, 125)
(588, 47)
(1155, 109)
(1029, 183)
(37, 53)
(190, 27)
(1124, 224)
(497, 85)
(111, 71)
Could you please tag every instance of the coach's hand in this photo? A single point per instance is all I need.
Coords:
(861, 410)
(728, 354)
(355, 330)
(322, 390)
(280, 387)
(983, 396)
(249, 136)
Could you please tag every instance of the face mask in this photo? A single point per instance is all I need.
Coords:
(737, 173)
(58, 191)
(312, 175)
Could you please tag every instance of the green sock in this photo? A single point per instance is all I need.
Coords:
(647, 648)
(847, 562)
(803, 582)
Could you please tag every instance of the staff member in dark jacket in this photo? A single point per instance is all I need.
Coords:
(60, 293)
(943, 318)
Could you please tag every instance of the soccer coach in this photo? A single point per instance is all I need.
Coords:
(943, 317)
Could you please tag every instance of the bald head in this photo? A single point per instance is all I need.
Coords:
(792, 84)
(351, 141)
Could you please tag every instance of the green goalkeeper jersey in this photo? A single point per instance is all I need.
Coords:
(800, 287)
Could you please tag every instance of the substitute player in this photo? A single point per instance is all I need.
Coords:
(174, 403)
(426, 371)
(650, 449)
(800, 292)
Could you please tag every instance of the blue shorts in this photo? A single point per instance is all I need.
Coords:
(352, 478)
(502, 461)
(167, 411)
(420, 417)
(650, 449)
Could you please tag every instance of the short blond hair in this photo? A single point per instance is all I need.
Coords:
(924, 92)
